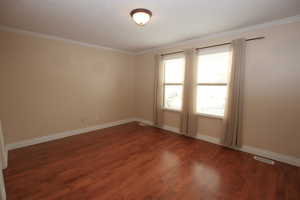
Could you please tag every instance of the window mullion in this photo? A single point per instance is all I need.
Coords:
(213, 84)
(173, 83)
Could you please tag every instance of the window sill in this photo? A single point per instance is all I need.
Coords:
(171, 110)
(210, 116)
(198, 114)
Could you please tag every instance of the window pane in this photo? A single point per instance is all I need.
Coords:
(174, 70)
(213, 67)
(211, 99)
(173, 97)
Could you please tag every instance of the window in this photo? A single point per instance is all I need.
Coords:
(173, 82)
(212, 80)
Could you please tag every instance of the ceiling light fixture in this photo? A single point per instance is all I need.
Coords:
(141, 16)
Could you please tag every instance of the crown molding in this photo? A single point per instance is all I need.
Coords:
(52, 37)
(287, 20)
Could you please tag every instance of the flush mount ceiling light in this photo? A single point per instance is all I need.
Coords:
(141, 16)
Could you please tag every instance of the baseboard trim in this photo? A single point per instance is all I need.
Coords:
(209, 139)
(64, 134)
(271, 155)
(248, 149)
(165, 127)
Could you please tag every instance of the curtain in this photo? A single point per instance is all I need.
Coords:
(234, 105)
(188, 117)
(158, 92)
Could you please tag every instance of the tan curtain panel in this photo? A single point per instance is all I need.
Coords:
(158, 91)
(188, 117)
(234, 105)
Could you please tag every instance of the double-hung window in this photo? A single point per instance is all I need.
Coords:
(212, 79)
(173, 68)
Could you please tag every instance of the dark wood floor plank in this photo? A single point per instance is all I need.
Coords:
(131, 162)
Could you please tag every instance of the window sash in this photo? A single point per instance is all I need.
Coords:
(214, 50)
(209, 84)
(164, 95)
(211, 114)
(166, 58)
(207, 52)
(164, 72)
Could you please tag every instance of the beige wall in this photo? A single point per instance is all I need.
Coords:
(50, 86)
(272, 94)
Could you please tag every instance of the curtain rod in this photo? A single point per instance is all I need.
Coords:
(227, 43)
(166, 54)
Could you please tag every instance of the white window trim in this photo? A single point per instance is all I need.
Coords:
(210, 116)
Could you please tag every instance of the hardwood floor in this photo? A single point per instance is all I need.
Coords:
(130, 162)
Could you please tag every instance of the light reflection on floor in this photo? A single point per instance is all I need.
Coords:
(205, 177)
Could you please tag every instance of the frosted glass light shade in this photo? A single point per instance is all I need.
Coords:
(141, 16)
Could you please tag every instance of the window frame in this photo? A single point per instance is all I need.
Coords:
(172, 57)
(205, 52)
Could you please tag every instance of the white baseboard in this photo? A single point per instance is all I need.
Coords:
(248, 149)
(172, 129)
(150, 123)
(165, 127)
(209, 139)
(64, 134)
(252, 150)
(272, 155)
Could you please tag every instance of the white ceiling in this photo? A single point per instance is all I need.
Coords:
(107, 22)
